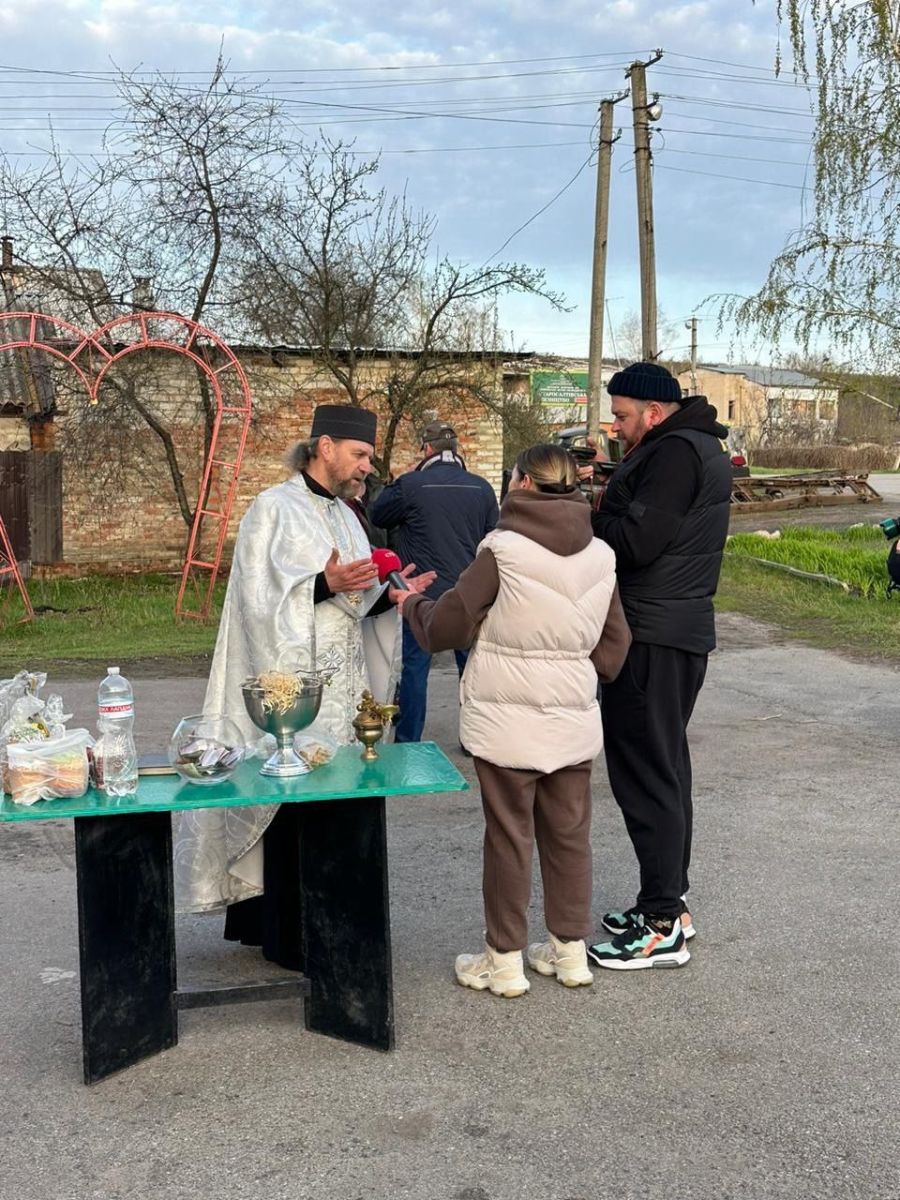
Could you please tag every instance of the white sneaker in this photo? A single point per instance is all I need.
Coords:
(503, 974)
(566, 960)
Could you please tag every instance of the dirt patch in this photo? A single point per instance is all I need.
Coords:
(190, 666)
(734, 631)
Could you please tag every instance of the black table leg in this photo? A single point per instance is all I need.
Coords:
(126, 930)
(346, 921)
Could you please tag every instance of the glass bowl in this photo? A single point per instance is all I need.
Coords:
(206, 750)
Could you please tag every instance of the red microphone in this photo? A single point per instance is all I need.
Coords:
(389, 565)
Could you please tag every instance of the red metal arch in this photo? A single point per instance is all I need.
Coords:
(92, 355)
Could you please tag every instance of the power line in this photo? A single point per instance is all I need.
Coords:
(794, 187)
(687, 73)
(473, 149)
(517, 99)
(354, 153)
(507, 98)
(491, 62)
(715, 102)
(722, 63)
(775, 162)
(741, 137)
(734, 124)
(540, 211)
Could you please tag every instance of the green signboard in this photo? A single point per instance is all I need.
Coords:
(559, 389)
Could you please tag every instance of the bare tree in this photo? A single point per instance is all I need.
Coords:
(204, 203)
(346, 272)
(629, 337)
(868, 405)
(162, 220)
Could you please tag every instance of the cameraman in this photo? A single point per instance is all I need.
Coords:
(665, 514)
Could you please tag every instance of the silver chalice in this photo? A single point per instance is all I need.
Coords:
(283, 721)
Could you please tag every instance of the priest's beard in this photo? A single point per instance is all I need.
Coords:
(344, 489)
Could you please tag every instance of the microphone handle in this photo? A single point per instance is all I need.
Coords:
(397, 581)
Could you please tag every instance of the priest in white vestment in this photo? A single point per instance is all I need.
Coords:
(303, 594)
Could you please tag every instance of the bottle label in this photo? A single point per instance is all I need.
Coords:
(116, 710)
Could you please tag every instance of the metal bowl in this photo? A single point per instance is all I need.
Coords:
(301, 713)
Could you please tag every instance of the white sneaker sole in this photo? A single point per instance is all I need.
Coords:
(676, 959)
(568, 978)
(477, 984)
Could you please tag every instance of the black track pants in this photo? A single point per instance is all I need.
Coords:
(645, 717)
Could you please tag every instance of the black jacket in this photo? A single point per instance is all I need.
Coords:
(439, 513)
(665, 513)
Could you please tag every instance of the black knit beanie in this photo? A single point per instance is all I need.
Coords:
(646, 381)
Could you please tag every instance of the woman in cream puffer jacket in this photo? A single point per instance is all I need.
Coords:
(540, 609)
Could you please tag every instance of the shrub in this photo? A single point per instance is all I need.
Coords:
(827, 458)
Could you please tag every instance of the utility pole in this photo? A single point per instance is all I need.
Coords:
(598, 281)
(692, 326)
(643, 114)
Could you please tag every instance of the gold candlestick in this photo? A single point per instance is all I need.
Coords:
(369, 723)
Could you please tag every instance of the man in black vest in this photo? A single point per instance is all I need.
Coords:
(665, 513)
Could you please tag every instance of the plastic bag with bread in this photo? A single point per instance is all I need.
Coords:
(49, 770)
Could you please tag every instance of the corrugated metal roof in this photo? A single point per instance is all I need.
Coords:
(765, 376)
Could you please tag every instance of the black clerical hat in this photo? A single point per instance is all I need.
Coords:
(344, 421)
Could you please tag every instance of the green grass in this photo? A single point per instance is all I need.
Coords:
(108, 619)
(856, 556)
(864, 623)
(102, 617)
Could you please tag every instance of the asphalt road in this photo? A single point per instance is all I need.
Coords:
(766, 1068)
(887, 483)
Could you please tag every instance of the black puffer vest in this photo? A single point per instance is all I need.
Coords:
(669, 602)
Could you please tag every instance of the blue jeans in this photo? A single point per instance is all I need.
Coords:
(414, 687)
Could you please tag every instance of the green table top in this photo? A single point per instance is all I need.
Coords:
(407, 769)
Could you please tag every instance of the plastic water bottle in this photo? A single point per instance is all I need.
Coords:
(115, 757)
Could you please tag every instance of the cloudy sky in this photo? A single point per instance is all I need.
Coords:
(485, 113)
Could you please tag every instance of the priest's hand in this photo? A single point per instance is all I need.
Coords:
(353, 576)
(417, 583)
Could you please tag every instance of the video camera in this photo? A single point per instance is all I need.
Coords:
(574, 441)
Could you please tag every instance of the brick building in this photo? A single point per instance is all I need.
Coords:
(83, 492)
